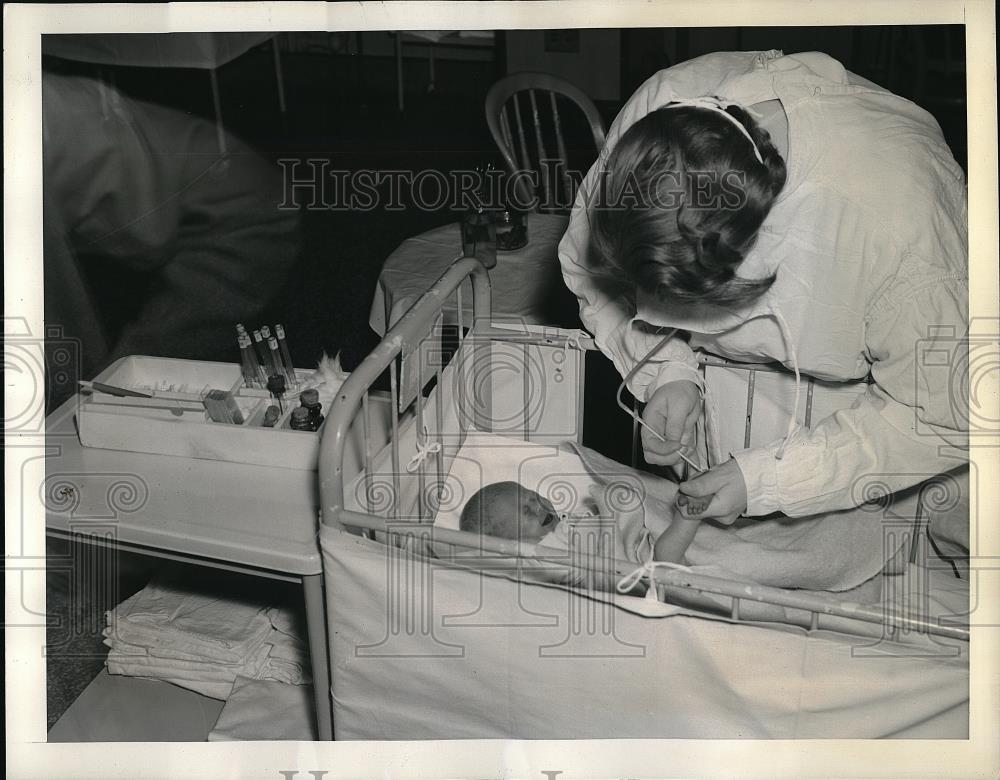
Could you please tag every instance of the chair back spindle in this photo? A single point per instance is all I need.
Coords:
(549, 124)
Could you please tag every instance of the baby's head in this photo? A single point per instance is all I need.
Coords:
(510, 511)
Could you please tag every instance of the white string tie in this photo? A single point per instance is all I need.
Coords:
(573, 340)
(423, 452)
(648, 569)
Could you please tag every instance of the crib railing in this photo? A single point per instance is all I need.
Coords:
(421, 325)
(405, 336)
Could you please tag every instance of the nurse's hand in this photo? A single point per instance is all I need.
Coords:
(726, 486)
(672, 411)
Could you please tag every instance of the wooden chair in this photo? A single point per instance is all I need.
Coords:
(533, 99)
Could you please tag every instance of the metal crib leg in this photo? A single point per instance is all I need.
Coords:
(319, 654)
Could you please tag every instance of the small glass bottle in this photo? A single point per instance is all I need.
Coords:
(309, 398)
(276, 386)
(512, 229)
(300, 419)
(271, 415)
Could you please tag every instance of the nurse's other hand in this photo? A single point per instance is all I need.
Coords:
(672, 411)
(726, 486)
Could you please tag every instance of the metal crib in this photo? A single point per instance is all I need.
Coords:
(414, 354)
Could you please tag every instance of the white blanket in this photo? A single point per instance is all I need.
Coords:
(834, 552)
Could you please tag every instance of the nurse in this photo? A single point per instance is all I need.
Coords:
(779, 208)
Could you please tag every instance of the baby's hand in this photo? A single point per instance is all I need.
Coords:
(719, 494)
(590, 505)
(673, 543)
(692, 507)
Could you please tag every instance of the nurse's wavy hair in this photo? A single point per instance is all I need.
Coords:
(680, 203)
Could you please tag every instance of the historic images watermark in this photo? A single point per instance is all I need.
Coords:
(83, 509)
(313, 184)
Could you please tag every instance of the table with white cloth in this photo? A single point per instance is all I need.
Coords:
(526, 282)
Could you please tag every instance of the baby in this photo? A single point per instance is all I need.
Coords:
(509, 510)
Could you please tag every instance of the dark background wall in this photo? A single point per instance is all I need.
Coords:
(342, 106)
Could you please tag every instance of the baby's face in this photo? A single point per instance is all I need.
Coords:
(526, 515)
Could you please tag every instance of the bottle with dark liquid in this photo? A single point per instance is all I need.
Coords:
(309, 399)
(299, 420)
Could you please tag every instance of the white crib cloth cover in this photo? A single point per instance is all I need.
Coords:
(470, 656)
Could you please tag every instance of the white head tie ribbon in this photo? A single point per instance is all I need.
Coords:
(719, 106)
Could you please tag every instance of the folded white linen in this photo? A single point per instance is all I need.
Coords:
(164, 642)
(249, 667)
(288, 660)
(211, 679)
(215, 689)
(144, 640)
(170, 613)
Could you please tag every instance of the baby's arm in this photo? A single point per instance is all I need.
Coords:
(673, 543)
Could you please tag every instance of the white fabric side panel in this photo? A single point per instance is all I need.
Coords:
(456, 655)
(484, 384)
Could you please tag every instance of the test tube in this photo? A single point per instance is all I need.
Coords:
(265, 331)
(275, 356)
(286, 356)
(250, 375)
(260, 378)
(263, 353)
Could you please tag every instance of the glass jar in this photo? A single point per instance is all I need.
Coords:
(479, 237)
(512, 229)
(309, 398)
(300, 419)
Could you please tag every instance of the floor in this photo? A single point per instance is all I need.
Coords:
(82, 583)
